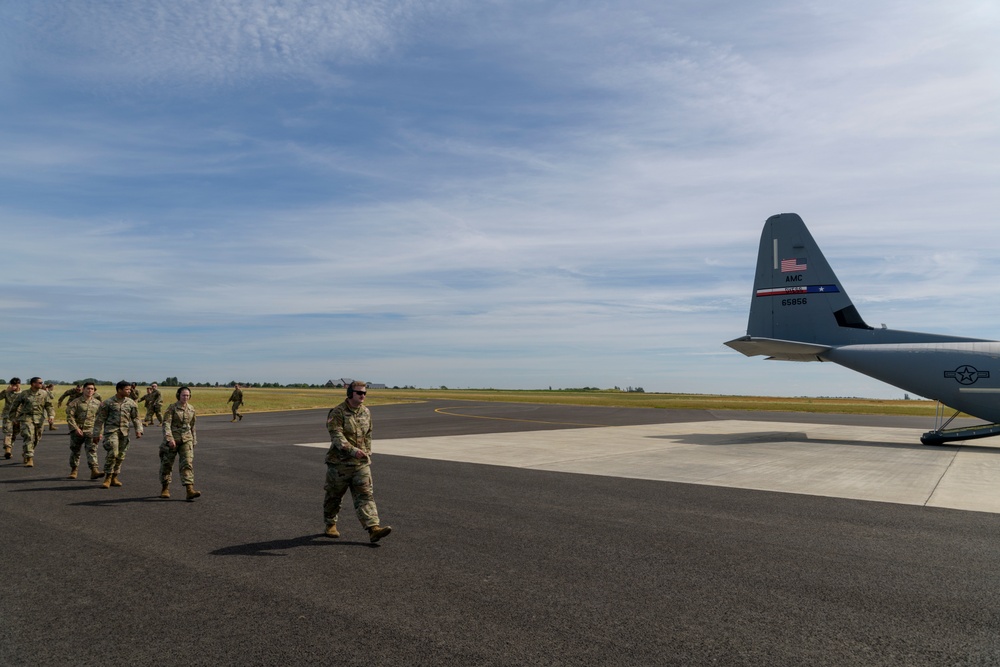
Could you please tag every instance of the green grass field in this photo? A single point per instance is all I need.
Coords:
(212, 400)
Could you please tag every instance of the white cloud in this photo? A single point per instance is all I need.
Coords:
(532, 190)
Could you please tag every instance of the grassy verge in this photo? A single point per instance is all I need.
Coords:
(212, 400)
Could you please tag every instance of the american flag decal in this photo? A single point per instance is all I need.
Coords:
(797, 264)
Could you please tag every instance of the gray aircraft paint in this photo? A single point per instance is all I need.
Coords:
(799, 311)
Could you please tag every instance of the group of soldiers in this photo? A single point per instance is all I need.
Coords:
(90, 420)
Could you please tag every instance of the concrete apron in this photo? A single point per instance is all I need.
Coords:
(862, 463)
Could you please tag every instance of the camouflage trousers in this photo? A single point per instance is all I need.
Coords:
(152, 412)
(78, 442)
(185, 452)
(116, 445)
(31, 434)
(236, 409)
(10, 431)
(358, 478)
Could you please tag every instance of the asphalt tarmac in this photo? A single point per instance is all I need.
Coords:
(486, 565)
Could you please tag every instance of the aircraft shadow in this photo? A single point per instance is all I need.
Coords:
(716, 439)
(267, 548)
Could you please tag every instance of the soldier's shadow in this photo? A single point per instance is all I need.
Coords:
(111, 502)
(268, 548)
(68, 485)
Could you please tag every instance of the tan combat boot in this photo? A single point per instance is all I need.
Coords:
(191, 493)
(29, 463)
(6, 451)
(115, 481)
(95, 473)
(72, 474)
(165, 491)
(331, 531)
(106, 484)
(376, 533)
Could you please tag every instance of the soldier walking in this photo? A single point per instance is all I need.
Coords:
(51, 414)
(81, 412)
(236, 398)
(348, 463)
(30, 410)
(179, 439)
(10, 427)
(112, 422)
(72, 394)
(154, 404)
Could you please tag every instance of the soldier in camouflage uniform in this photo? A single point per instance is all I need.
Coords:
(154, 404)
(348, 463)
(81, 412)
(179, 439)
(51, 389)
(72, 394)
(31, 408)
(236, 398)
(10, 427)
(113, 420)
(145, 399)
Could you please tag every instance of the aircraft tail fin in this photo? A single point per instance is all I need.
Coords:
(797, 298)
(799, 310)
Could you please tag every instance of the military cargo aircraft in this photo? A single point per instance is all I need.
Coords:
(799, 311)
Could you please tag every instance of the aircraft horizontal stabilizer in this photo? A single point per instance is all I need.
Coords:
(782, 350)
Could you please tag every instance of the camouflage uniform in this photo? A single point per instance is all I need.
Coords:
(72, 394)
(81, 414)
(178, 425)
(350, 431)
(31, 409)
(113, 420)
(236, 398)
(10, 427)
(144, 399)
(154, 406)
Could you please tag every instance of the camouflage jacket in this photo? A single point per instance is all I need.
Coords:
(81, 413)
(178, 424)
(7, 396)
(72, 393)
(154, 399)
(350, 430)
(34, 406)
(115, 415)
(236, 397)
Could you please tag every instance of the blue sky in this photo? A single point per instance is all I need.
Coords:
(490, 194)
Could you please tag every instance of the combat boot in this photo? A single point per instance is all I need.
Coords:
(95, 473)
(29, 463)
(331, 531)
(115, 481)
(6, 451)
(165, 491)
(106, 484)
(376, 533)
(191, 493)
(72, 474)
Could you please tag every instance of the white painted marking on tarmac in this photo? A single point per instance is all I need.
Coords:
(861, 463)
